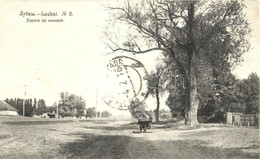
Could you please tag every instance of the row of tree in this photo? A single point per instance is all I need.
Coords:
(227, 94)
(32, 106)
(70, 105)
(219, 91)
(91, 112)
(218, 95)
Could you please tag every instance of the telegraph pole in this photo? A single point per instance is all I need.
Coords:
(57, 111)
(24, 100)
(96, 103)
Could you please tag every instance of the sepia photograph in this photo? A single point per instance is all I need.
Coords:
(129, 79)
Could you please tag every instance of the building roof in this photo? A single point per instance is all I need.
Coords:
(6, 106)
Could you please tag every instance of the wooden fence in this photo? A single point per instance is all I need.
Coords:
(243, 119)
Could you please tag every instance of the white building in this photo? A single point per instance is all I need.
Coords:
(6, 109)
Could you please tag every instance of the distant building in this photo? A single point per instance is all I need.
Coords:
(6, 109)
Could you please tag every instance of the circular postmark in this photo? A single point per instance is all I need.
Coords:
(126, 80)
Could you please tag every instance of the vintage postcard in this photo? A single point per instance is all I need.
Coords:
(123, 79)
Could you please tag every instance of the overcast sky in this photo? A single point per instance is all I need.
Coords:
(69, 56)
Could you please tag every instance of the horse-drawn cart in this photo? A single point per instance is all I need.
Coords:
(144, 124)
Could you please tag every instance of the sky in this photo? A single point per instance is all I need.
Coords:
(44, 59)
(252, 57)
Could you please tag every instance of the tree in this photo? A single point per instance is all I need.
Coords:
(99, 114)
(31, 106)
(71, 105)
(12, 102)
(176, 103)
(28, 107)
(16, 103)
(137, 109)
(190, 32)
(249, 93)
(77, 105)
(105, 114)
(219, 96)
(52, 108)
(165, 78)
(64, 105)
(226, 92)
(155, 87)
(40, 107)
(91, 112)
(19, 106)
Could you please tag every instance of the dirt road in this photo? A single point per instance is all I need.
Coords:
(119, 140)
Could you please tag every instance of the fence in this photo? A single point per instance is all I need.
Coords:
(242, 119)
(248, 120)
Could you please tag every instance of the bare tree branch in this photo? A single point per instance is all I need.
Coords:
(140, 52)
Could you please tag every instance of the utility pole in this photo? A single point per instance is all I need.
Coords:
(96, 103)
(57, 111)
(24, 99)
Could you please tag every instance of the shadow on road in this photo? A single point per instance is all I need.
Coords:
(117, 145)
(90, 146)
(97, 146)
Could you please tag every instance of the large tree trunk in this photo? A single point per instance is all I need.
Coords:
(194, 101)
(191, 115)
(157, 110)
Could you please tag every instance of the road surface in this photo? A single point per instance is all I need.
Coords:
(114, 140)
